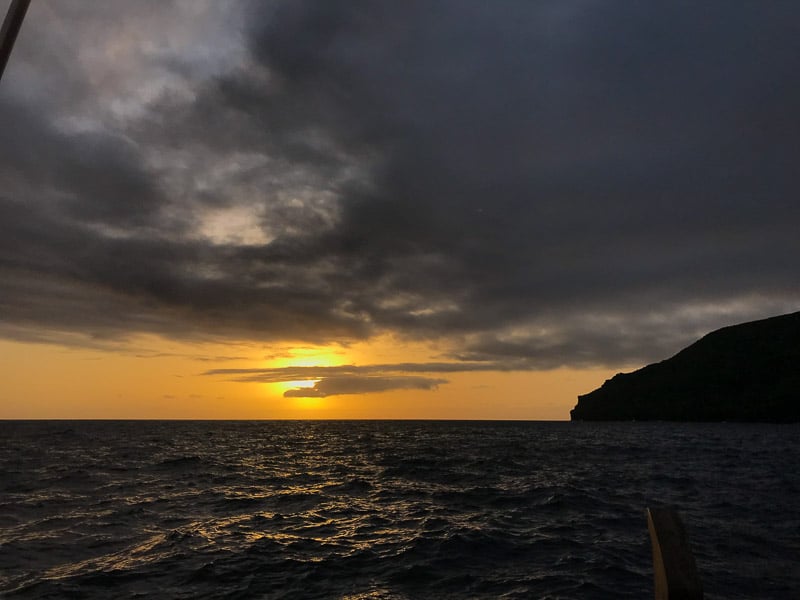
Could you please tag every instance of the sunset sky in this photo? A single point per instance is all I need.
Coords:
(382, 208)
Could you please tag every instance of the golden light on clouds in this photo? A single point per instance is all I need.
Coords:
(307, 356)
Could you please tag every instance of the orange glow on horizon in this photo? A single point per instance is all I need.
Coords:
(168, 381)
(308, 403)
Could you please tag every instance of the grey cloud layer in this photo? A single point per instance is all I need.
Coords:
(550, 183)
(283, 374)
(360, 379)
(335, 386)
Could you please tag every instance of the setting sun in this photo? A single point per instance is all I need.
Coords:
(284, 386)
(303, 357)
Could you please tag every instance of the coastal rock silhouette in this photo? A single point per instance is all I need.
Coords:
(746, 372)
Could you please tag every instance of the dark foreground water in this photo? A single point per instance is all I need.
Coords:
(401, 510)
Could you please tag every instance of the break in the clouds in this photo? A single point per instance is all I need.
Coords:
(554, 183)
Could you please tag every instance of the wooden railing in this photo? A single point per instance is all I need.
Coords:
(674, 568)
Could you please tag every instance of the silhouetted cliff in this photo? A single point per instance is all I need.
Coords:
(747, 372)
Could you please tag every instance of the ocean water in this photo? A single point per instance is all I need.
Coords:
(390, 510)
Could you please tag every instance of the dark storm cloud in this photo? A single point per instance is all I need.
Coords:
(95, 177)
(70, 277)
(547, 183)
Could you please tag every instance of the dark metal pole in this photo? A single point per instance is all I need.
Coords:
(11, 25)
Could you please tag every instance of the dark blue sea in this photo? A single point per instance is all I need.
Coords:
(390, 510)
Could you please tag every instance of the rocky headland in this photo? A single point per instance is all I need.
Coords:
(747, 372)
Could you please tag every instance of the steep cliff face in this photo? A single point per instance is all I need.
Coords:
(747, 372)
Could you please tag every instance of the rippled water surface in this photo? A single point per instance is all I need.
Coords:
(399, 510)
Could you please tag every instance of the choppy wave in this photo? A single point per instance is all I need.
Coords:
(390, 510)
